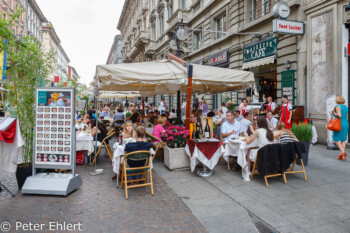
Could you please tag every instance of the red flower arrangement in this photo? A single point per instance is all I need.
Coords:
(176, 136)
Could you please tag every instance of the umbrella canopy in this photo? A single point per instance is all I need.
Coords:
(167, 77)
(118, 94)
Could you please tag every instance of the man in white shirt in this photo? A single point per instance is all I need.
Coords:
(162, 106)
(271, 105)
(246, 121)
(271, 121)
(230, 128)
(238, 116)
(224, 109)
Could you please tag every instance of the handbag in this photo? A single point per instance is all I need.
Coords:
(334, 124)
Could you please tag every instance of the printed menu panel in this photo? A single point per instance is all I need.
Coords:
(53, 128)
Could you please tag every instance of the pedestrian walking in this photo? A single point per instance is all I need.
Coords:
(340, 137)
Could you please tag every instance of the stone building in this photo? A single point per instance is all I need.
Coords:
(34, 19)
(7, 7)
(236, 34)
(115, 54)
(134, 26)
(51, 42)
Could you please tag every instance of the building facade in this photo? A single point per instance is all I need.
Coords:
(115, 54)
(34, 19)
(52, 43)
(134, 26)
(8, 7)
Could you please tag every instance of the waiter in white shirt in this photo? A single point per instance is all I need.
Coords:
(271, 105)
(244, 107)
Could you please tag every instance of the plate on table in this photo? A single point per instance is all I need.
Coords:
(53, 158)
(201, 140)
(241, 138)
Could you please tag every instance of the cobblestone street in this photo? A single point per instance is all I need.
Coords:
(100, 207)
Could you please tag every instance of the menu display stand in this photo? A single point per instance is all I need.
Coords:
(54, 143)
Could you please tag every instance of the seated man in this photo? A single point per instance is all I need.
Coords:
(152, 118)
(271, 121)
(238, 116)
(140, 144)
(119, 116)
(230, 128)
(246, 121)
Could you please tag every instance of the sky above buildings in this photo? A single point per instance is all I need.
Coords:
(86, 29)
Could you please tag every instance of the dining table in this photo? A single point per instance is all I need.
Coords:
(84, 142)
(238, 147)
(207, 152)
(119, 152)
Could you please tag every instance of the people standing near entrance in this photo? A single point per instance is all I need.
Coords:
(245, 107)
(271, 106)
(196, 104)
(340, 137)
(286, 114)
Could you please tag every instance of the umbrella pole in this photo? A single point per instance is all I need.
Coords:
(143, 107)
(189, 86)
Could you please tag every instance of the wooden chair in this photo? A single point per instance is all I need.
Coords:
(292, 169)
(254, 172)
(152, 139)
(145, 171)
(104, 145)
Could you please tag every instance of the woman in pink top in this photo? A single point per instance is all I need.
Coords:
(158, 129)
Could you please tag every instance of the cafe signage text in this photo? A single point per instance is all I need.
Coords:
(218, 58)
(260, 50)
(288, 27)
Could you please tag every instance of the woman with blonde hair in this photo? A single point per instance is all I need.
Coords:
(284, 134)
(340, 137)
(128, 130)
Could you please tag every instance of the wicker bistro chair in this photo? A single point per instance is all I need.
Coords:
(157, 145)
(145, 171)
(104, 145)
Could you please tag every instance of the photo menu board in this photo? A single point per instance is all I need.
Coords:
(54, 127)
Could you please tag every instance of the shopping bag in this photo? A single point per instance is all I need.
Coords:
(334, 124)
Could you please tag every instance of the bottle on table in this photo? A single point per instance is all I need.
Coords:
(207, 130)
(199, 129)
(120, 139)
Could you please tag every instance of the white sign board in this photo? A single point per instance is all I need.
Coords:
(288, 27)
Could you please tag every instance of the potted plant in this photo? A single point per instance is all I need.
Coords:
(303, 132)
(174, 152)
(27, 67)
(230, 106)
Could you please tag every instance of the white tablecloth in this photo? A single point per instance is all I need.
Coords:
(11, 153)
(117, 156)
(84, 142)
(239, 149)
(198, 156)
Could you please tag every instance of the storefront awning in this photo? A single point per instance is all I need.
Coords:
(260, 62)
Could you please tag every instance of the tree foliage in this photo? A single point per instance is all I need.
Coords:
(27, 65)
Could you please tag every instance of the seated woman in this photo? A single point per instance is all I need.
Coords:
(101, 131)
(193, 117)
(128, 133)
(167, 124)
(263, 135)
(136, 118)
(253, 126)
(159, 128)
(284, 135)
(86, 118)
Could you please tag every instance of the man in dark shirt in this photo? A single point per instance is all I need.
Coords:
(152, 117)
(140, 144)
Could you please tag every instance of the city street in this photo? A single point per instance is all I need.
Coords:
(183, 202)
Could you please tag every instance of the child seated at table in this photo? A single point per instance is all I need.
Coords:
(128, 133)
(140, 144)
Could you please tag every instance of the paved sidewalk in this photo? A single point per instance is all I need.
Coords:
(100, 207)
(226, 203)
